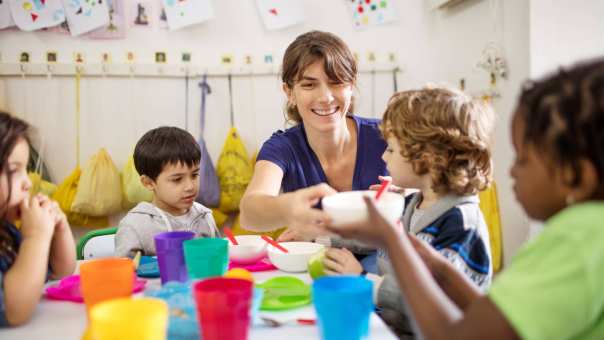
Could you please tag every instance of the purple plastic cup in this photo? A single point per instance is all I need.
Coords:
(170, 256)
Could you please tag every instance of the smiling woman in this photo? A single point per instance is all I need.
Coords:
(329, 149)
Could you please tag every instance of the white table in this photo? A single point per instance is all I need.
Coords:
(67, 320)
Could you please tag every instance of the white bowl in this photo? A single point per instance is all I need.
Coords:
(349, 207)
(250, 249)
(296, 260)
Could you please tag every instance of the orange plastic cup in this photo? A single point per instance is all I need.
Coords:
(143, 319)
(106, 279)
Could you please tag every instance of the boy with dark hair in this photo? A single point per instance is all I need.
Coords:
(167, 159)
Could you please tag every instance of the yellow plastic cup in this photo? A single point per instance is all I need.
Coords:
(141, 319)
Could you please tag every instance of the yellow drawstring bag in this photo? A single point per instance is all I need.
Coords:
(39, 185)
(219, 217)
(99, 191)
(489, 206)
(65, 194)
(234, 172)
(134, 191)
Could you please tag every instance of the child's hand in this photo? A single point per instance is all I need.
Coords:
(375, 231)
(60, 218)
(341, 261)
(38, 218)
(391, 187)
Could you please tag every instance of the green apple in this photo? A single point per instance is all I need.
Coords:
(315, 265)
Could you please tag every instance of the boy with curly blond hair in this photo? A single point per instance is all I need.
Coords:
(438, 142)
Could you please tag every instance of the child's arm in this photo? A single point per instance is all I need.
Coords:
(437, 316)
(62, 249)
(453, 282)
(24, 281)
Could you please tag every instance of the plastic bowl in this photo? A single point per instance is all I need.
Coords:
(348, 207)
(251, 249)
(296, 260)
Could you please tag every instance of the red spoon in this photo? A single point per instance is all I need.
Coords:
(383, 187)
(274, 244)
(229, 235)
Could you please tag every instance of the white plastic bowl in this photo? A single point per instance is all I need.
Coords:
(250, 249)
(296, 260)
(349, 207)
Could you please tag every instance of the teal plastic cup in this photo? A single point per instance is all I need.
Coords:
(344, 305)
(206, 257)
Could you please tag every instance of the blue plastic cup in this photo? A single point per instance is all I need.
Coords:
(343, 305)
(170, 256)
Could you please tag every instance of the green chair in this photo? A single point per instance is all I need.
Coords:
(97, 243)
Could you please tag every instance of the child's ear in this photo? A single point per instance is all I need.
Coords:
(587, 187)
(148, 182)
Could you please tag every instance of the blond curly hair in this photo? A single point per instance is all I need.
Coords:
(444, 133)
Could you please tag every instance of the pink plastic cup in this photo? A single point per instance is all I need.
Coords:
(223, 308)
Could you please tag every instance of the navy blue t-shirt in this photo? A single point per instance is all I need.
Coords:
(290, 151)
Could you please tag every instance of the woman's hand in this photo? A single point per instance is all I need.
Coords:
(303, 217)
(299, 233)
(341, 261)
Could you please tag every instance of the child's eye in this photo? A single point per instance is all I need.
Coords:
(195, 175)
(307, 85)
(389, 150)
(176, 180)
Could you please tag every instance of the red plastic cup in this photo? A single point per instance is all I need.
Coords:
(223, 308)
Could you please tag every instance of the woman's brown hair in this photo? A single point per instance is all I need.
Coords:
(340, 65)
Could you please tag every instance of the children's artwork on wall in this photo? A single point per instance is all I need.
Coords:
(86, 15)
(31, 15)
(181, 13)
(278, 14)
(367, 13)
(6, 19)
(116, 29)
(141, 13)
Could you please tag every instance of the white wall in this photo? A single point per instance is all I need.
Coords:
(431, 46)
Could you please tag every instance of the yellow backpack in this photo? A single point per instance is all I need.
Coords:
(65, 194)
(134, 191)
(234, 172)
(99, 191)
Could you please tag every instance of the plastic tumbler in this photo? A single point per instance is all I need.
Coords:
(105, 279)
(223, 308)
(143, 319)
(170, 256)
(206, 257)
(343, 305)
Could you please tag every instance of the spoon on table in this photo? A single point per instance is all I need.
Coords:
(230, 236)
(274, 243)
(276, 323)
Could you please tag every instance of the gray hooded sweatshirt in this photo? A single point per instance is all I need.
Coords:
(137, 229)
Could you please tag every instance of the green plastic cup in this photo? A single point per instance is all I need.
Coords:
(206, 257)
